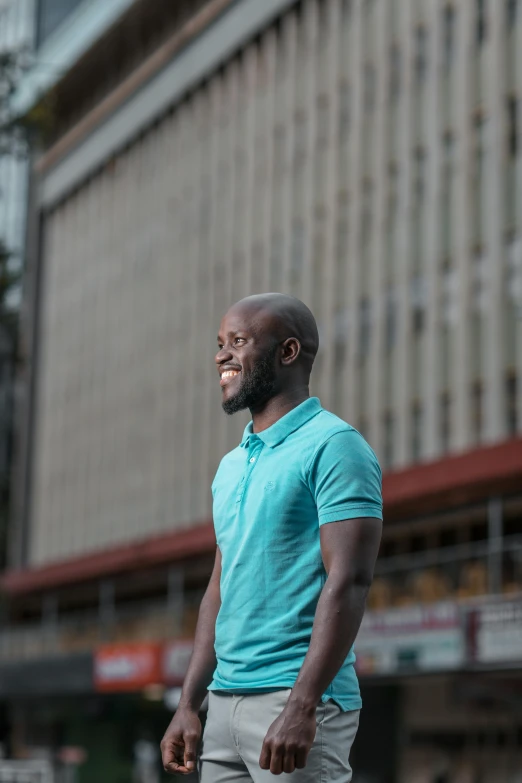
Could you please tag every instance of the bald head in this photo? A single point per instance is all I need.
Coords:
(283, 317)
(267, 346)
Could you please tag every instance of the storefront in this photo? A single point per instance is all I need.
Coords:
(452, 675)
(103, 713)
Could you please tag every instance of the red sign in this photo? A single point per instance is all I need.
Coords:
(127, 667)
(72, 755)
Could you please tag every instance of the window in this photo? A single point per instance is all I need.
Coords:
(477, 401)
(364, 327)
(369, 87)
(420, 59)
(445, 421)
(416, 431)
(346, 8)
(512, 127)
(418, 302)
(390, 318)
(341, 329)
(511, 12)
(448, 27)
(51, 13)
(512, 150)
(389, 435)
(395, 72)
(297, 255)
(511, 403)
(419, 179)
(392, 211)
(479, 177)
(344, 111)
(481, 28)
(393, 194)
(276, 257)
(446, 194)
(362, 426)
(479, 282)
(366, 215)
(449, 294)
(514, 270)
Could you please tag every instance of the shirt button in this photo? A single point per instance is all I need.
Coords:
(252, 459)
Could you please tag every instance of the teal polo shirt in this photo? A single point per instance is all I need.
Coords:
(271, 494)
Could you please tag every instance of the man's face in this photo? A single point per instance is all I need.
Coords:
(246, 361)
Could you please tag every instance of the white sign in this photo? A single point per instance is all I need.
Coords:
(176, 658)
(417, 638)
(499, 633)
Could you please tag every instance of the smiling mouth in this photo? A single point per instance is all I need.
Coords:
(228, 376)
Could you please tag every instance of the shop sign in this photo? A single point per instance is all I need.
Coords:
(417, 638)
(176, 658)
(127, 667)
(498, 633)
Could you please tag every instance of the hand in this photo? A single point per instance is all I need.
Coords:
(288, 740)
(180, 743)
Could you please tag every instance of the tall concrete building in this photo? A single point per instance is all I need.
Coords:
(364, 155)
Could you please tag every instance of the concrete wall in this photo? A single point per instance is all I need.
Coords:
(357, 156)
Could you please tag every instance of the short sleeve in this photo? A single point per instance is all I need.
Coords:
(345, 478)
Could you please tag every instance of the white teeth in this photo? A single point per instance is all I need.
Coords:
(229, 373)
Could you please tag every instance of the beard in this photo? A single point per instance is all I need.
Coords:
(256, 387)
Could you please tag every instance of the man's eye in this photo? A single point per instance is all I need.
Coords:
(239, 340)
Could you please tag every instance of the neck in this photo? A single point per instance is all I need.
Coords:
(277, 407)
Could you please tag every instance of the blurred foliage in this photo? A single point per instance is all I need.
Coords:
(9, 317)
(18, 134)
(13, 133)
(9, 283)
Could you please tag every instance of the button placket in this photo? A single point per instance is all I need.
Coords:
(251, 462)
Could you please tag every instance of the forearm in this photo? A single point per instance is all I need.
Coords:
(203, 660)
(339, 613)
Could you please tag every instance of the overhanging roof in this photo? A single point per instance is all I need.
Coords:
(138, 102)
(453, 481)
(67, 44)
(137, 555)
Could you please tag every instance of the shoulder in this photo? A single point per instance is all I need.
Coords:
(327, 424)
(337, 439)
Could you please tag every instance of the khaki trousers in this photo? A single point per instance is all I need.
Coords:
(237, 725)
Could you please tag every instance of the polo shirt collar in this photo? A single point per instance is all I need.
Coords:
(284, 426)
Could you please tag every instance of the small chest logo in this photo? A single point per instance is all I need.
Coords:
(269, 486)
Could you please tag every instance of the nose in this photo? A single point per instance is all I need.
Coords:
(223, 355)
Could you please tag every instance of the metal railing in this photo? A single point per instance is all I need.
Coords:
(83, 630)
(465, 571)
(489, 567)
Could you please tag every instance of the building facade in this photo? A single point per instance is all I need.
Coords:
(363, 155)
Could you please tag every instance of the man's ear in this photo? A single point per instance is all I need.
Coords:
(290, 350)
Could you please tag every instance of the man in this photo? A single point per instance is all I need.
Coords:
(297, 513)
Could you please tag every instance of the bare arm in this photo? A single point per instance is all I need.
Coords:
(349, 549)
(179, 745)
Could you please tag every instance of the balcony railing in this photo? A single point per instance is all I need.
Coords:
(492, 567)
(81, 632)
(465, 571)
